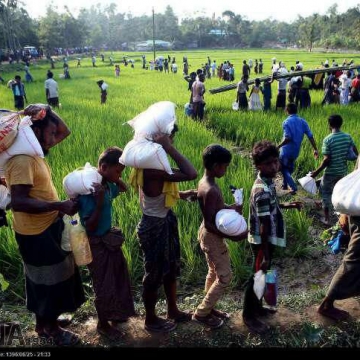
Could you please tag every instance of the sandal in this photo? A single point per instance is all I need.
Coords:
(183, 316)
(209, 320)
(163, 326)
(220, 314)
(62, 337)
(334, 313)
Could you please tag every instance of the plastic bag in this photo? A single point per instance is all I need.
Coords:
(346, 194)
(80, 244)
(351, 156)
(259, 284)
(308, 184)
(230, 222)
(235, 106)
(188, 109)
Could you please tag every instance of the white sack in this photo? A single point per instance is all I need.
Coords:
(144, 154)
(346, 194)
(158, 118)
(26, 143)
(230, 222)
(308, 184)
(79, 182)
(259, 284)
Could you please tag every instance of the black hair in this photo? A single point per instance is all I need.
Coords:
(291, 108)
(174, 130)
(50, 74)
(100, 82)
(215, 154)
(335, 121)
(50, 116)
(17, 77)
(110, 156)
(262, 150)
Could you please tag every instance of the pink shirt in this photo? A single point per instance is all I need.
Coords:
(198, 90)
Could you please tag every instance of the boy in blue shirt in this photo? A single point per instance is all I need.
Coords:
(294, 130)
(109, 272)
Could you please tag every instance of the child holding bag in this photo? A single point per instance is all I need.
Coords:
(109, 272)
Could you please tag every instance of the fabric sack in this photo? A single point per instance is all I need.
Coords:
(79, 181)
(158, 118)
(346, 194)
(26, 143)
(230, 222)
(144, 154)
(9, 125)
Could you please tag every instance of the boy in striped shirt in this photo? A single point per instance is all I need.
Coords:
(335, 149)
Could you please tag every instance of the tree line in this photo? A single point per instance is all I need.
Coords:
(102, 26)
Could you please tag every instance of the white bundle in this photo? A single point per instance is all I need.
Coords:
(144, 154)
(4, 197)
(26, 143)
(79, 181)
(308, 184)
(259, 284)
(158, 118)
(346, 194)
(230, 222)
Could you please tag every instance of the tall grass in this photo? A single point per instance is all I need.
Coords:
(95, 127)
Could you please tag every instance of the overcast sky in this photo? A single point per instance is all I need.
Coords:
(284, 10)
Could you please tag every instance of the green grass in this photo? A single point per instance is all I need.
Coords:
(95, 127)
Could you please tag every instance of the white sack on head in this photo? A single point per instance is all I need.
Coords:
(79, 181)
(26, 143)
(144, 154)
(158, 118)
(230, 222)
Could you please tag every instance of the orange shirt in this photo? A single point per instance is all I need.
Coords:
(34, 171)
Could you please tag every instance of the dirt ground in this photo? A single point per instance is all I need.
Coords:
(297, 276)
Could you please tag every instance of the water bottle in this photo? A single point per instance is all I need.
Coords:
(270, 294)
(80, 244)
(65, 236)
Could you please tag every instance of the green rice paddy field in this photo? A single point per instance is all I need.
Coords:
(95, 127)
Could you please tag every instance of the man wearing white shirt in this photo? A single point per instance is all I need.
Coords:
(51, 90)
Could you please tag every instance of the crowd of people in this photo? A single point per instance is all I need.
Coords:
(53, 283)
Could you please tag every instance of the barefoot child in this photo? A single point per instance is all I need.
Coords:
(109, 272)
(216, 159)
(267, 228)
(158, 234)
(335, 149)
